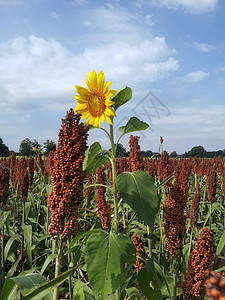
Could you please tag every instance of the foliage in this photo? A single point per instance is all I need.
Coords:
(4, 150)
(49, 145)
(132, 257)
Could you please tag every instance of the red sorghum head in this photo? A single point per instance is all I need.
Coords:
(215, 286)
(136, 157)
(140, 253)
(103, 207)
(175, 220)
(23, 178)
(67, 177)
(195, 206)
(4, 183)
(200, 263)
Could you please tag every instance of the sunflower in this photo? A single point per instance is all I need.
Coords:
(94, 102)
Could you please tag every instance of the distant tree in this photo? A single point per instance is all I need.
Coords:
(26, 148)
(36, 145)
(197, 151)
(173, 154)
(4, 150)
(147, 153)
(49, 145)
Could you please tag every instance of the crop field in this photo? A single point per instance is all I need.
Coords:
(63, 236)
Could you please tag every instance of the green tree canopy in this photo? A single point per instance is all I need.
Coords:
(173, 154)
(26, 147)
(197, 151)
(4, 150)
(49, 145)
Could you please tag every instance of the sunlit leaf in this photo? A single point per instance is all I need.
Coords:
(138, 190)
(134, 124)
(106, 255)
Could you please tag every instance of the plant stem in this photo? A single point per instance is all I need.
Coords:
(58, 265)
(70, 281)
(149, 241)
(2, 263)
(113, 162)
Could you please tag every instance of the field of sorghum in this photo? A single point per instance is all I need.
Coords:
(58, 235)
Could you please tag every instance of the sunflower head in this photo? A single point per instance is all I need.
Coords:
(94, 101)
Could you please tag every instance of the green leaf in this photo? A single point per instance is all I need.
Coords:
(48, 287)
(9, 244)
(50, 258)
(106, 255)
(26, 284)
(81, 292)
(121, 97)
(221, 244)
(161, 273)
(94, 158)
(138, 190)
(133, 294)
(146, 276)
(9, 291)
(134, 124)
(27, 231)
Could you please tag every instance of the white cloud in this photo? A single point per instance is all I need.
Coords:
(36, 68)
(192, 6)
(202, 47)
(55, 16)
(196, 76)
(148, 20)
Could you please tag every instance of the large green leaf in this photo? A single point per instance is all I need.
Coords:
(134, 124)
(121, 97)
(45, 289)
(25, 284)
(106, 255)
(27, 231)
(221, 244)
(146, 276)
(138, 190)
(94, 158)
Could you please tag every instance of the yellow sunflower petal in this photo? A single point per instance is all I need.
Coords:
(93, 78)
(81, 90)
(109, 120)
(100, 80)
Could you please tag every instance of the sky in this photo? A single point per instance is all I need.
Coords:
(171, 53)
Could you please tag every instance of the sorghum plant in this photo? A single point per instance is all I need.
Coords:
(200, 262)
(215, 286)
(175, 220)
(136, 157)
(4, 183)
(103, 207)
(140, 252)
(67, 177)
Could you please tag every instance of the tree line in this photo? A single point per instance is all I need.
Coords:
(28, 147)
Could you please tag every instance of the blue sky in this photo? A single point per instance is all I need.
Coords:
(170, 52)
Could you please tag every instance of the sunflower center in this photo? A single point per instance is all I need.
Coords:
(96, 104)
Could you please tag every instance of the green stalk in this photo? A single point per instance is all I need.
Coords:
(210, 216)
(2, 263)
(58, 266)
(149, 241)
(115, 200)
(189, 251)
(113, 162)
(70, 281)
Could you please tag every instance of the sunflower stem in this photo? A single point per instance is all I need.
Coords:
(115, 200)
(113, 161)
